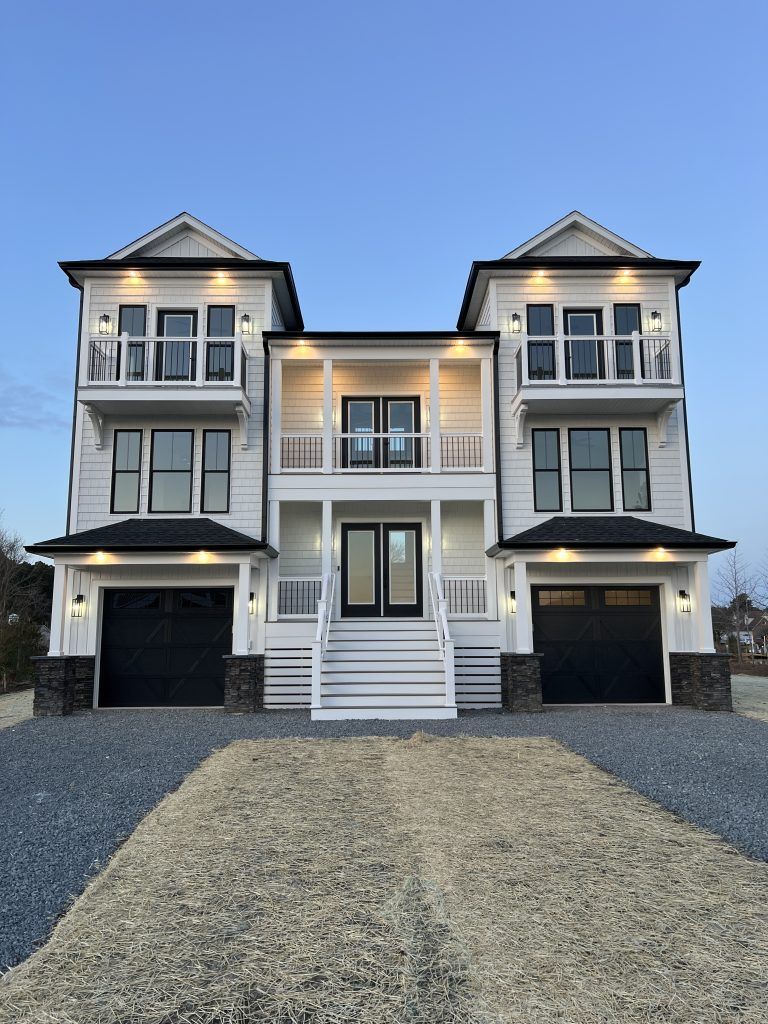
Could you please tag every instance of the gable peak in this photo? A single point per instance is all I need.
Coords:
(183, 235)
(575, 234)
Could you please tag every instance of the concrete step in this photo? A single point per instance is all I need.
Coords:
(361, 688)
(336, 714)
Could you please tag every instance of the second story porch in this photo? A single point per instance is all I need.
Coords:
(369, 405)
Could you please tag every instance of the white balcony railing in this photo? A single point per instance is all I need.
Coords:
(381, 452)
(612, 360)
(127, 361)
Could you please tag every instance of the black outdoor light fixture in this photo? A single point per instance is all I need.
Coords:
(105, 324)
(252, 604)
(78, 606)
(684, 600)
(516, 323)
(245, 324)
(512, 602)
(655, 320)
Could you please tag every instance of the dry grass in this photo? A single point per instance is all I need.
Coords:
(750, 696)
(451, 881)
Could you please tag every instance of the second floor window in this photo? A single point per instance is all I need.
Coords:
(177, 323)
(635, 483)
(170, 487)
(547, 491)
(590, 459)
(132, 321)
(126, 471)
(215, 494)
(221, 321)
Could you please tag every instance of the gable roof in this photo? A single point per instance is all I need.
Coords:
(195, 534)
(610, 532)
(183, 235)
(575, 234)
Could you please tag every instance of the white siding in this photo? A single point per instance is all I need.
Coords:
(484, 316)
(463, 539)
(300, 526)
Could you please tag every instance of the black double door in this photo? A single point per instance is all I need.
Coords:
(364, 420)
(164, 647)
(600, 644)
(381, 570)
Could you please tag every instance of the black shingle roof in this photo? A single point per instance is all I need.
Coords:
(153, 535)
(610, 532)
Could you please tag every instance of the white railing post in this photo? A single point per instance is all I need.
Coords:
(198, 346)
(237, 362)
(637, 364)
(560, 358)
(450, 674)
(674, 359)
(317, 667)
(524, 369)
(123, 358)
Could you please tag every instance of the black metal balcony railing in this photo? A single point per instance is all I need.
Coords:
(158, 360)
(608, 359)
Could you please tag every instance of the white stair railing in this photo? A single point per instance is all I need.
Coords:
(319, 644)
(444, 641)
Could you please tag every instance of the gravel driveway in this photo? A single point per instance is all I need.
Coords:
(74, 788)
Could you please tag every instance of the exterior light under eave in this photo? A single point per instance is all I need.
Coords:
(105, 324)
(684, 600)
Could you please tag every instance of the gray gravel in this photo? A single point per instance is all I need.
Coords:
(74, 788)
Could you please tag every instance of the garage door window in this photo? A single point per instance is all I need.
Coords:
(562, 598)
(628, 598)
(590, 455)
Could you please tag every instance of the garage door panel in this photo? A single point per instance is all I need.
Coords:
(165, 647)
(607, 650)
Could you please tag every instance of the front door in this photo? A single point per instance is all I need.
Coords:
(381, 570)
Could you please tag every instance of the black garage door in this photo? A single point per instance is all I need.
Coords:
(164, 647)
(599, 644)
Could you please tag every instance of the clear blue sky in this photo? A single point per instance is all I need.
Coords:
(380, 148)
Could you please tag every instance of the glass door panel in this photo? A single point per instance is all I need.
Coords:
(381, 570)
(360, 416)
(403, 584)
(400, 418)
(584, 351)
(361, 569)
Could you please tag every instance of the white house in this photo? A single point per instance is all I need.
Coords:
(380, 524)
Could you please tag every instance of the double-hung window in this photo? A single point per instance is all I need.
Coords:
(590, 464)
(635, 482)
(170, 487)
(547, 488)
(126, 471)
(215, 490)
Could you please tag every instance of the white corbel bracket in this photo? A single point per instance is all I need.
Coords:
(662, 422)
(519, 418)
(242, 419)
(97, 423)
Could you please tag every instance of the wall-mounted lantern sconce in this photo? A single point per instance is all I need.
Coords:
(78, 606)
(245, 324)
(684, 600)
(655, 320)
(516, 323)
(512, 602)
(105, 324)
(252, 604)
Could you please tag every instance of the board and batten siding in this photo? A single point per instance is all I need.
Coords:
(667, 465)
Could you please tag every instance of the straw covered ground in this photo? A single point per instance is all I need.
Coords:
(421, 881)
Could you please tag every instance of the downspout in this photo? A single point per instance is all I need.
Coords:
(685, 407)
(74, 403)
(497, 442)
(265, 447)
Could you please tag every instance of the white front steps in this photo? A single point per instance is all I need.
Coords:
(381, 668)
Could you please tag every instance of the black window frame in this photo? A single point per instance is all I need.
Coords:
(208, 311)
(608, 470)
(628, 305)
(131, 305)
(539, 305)
(171, 430)
(204, 473)
(161, 315)
(126, 472)
(559, 470)
(635, 469)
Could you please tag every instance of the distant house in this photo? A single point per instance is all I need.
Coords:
(379, 524)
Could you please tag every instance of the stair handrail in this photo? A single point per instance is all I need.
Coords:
(324, 615)
(444, 640)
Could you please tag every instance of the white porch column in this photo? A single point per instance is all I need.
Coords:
(436, 532)
(489, 539)
(523, 624)
(273, 535)
(259, 627)
(276, 377)
(326, 539)
(327, 415)
(434, 415)
(702, 605)
(486, 401)
(58, 610)
(241, 631)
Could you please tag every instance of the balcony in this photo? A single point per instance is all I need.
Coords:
(383, 453)
(596, 374)
(194, 375)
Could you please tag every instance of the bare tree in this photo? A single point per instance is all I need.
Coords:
(22, 607)
(737, 589)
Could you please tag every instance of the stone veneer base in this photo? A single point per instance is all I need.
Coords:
(521, 682)
(244, 682)
(701, 681)
(63, 684)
